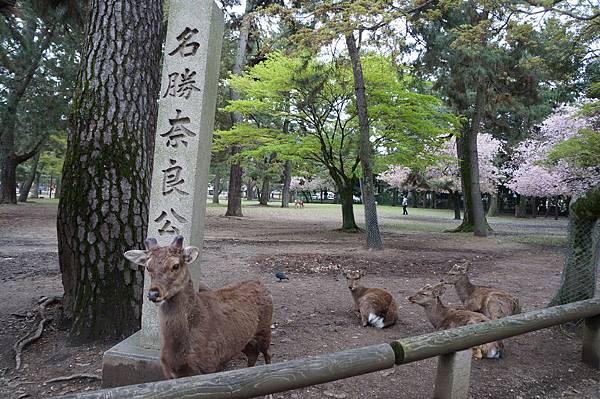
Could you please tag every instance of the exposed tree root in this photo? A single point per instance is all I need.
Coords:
(73, 377)
(36, 333)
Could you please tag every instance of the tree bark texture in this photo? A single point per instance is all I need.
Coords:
(469, 171)
(583, 250)
(287, 179)
(493, 209)
(216, 188)
(348, 222)
(234, 195)
(26, 187)
(103, 210)
(265, 191)
(455, 199)
(521, 208)
(365, 149)
(36, 186)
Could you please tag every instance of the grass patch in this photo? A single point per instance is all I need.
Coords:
(543, 240)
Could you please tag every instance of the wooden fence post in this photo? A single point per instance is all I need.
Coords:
(591, 342)
(453, 375)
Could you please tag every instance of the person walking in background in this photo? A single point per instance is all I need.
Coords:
(404, 205)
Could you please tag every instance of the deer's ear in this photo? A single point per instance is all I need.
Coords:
(137, 256)
(438, 289)
(190, 254)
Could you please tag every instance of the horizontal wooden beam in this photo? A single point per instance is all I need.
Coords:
(259, 380)
(412, 349)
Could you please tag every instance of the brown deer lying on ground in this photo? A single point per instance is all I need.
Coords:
(492, 302)
(202, 331)
(443, 318)
(299, 203)
(377, 307)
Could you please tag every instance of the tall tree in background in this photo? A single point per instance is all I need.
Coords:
(33, 41)
(497, 70)
(234, 193)
(106, 176)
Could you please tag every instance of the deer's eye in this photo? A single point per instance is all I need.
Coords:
(176, 266)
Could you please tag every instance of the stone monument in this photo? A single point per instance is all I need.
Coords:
(186, 114)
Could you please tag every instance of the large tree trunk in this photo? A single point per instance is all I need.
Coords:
(455, 199)
(583, 252)
(469, 170)
(216, 187)
(26, 187)
(265, 191)
(8, 187)
(103, 210)
(493, 209)
(287, 179)
(251, 189)
(395, 196)
(348, 222)
(521, 207)
(365, 149)
(36, 186)
(234, 195)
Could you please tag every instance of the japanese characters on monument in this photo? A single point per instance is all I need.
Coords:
(187, 102)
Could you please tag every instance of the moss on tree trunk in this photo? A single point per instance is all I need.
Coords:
(103, 210)
(583, 250)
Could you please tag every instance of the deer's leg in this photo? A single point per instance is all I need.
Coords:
(251, 352)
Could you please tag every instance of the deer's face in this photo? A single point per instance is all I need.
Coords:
(353, 278)
(427, 294)
(167, 267)
(456, 273)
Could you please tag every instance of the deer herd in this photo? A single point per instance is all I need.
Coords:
(202, 330)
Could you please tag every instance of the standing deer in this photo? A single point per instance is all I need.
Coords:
(202, 331)
(492, 302)
(377, 307)
(443, 318)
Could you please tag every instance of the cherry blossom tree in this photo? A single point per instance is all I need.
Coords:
(533, 175)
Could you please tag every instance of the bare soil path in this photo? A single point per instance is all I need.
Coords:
(313, 310)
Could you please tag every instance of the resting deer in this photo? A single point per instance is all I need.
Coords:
(492, 302)
(202, 331)
(443, 318)
(377, 307)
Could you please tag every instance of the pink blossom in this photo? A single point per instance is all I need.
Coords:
(533, 176)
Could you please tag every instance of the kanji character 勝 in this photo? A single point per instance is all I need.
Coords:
(184, 87)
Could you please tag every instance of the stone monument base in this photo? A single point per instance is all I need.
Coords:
(129, 363)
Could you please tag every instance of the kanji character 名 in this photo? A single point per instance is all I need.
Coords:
(185, 47)
(168, 227)
(172, 179)
(178, 131)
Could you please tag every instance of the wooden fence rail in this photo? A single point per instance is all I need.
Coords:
(452, 347)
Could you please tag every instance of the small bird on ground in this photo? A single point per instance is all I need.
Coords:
(281, 276)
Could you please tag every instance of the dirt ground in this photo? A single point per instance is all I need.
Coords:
(313, 310)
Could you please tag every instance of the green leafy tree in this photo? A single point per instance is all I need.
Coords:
(317, 98)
